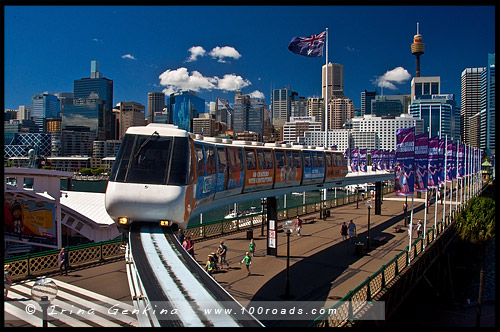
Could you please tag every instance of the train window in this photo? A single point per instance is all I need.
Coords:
(210, 154)
(251, 162)
(200, 163)
(296, 160)
(307, 159)
(289, 158)
(149, 160)
(280, 159)
(179, 168)
(268, 156)
(260, 159)
(120, 166)
(328, 157)
(320, 161)
(222, 160)
(231, 158)
(239, 159)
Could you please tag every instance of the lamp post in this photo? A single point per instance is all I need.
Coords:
(368, 204)
(44, 291)
(357, 198)
(288, 228)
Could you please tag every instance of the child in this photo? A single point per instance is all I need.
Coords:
(209, 267)
(247, 260)
(252, 248)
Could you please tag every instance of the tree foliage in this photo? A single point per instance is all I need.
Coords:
(476, 224)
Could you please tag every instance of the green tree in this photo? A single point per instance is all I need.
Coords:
(476, 224)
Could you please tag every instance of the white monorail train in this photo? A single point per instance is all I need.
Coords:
(166, 175)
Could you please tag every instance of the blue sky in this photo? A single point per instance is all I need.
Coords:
(215, 50)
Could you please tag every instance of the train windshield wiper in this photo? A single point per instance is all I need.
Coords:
(155, 135)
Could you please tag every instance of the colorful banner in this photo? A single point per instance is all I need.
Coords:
(29, 221)
(449, 161)
(374, 158)
(433, 165)
(421, 161)
(354, 160)
(404, 172)
(441, 151)
(391, 156)
(362, 160)
(461, 161)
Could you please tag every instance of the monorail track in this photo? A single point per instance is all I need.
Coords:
(170, 289)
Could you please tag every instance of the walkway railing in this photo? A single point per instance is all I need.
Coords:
(225, 226)
(357, 299)
(43, 263)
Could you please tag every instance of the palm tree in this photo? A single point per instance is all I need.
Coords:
(476, 224)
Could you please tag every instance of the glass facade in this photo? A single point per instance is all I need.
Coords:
(438, 115)
(183, 107)
(90, 114)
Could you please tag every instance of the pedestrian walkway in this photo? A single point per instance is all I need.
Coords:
(322, 266)
(92, 297)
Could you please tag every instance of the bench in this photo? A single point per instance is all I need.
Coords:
(398, 228)
(380, 239)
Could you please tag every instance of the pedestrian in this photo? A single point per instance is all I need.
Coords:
(298, 225)
(222, 251)
(190, 245)
(180, 235)
(215, 259)
(251, 248)
(62, 261)
(352, 230)
(343, 231)
(7, 281)
(209, 266)
(419, 228)
(247, 260)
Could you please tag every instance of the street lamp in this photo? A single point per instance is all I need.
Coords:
(288, 228)
(369, 205)
(44, 291)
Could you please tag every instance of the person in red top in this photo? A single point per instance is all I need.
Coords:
(298, 225)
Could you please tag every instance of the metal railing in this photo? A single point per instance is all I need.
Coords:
(359, 298)
(225, 226)
(43, 263)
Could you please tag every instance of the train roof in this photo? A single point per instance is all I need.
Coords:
(161, 128)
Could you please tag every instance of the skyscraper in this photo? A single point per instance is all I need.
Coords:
(470, 100)
(44, 105)
(341, 110)
(183, 107)
(335, 80)
(366, 101)
(281, 105)
(249, 114)
(156, 103)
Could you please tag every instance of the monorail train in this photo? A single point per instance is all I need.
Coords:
(166, 175)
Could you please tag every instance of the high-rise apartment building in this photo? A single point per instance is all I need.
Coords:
(341, 110)
(335, 81)
(249, 115)
(156, 104)
(281, 105)
(316, 108)
(131, 114)
(470, 101)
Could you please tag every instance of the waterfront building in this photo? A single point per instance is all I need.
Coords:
(156, 104)
(76, 142)
(69, 164)
(297, 126)
(21, 143)
(103, 149)
(335, 80)
(44, 105)
(470, 103)
(183, 107)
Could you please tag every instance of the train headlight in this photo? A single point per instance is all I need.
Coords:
(123, 221)
(165, 223)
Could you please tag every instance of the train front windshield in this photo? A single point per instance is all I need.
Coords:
(152, 160)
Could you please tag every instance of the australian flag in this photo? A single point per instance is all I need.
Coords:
(308, 46)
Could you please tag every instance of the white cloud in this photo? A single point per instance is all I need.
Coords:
(224, 52)
(180, 79)
(397, 75)
(257, 94)
(128, 56)
(195, 51)
(231, 82)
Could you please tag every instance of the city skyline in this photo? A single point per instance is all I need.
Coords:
(160, 48)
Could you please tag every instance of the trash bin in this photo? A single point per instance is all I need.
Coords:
(358, 248)
(249, 234)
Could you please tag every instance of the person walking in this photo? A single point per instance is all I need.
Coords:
(419, 228)
(209, 266)
(180, 235)
(7, 281)
(352, 230)
(343, 231)
(190, 245)
(247, 260)
(222, 251)
(251, 248)
(62, 260)
(298, 225)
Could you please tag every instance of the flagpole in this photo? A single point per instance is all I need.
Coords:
(325, 194)
(410, 230)
(445, 161)
(451, 176)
